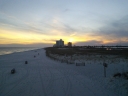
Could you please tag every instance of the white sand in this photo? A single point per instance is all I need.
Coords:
(45, 77)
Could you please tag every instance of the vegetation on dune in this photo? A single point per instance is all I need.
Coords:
(81, 51)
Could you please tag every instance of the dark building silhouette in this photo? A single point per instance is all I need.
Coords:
(59, 43)
(69, 44)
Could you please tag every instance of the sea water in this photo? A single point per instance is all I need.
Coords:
(9, 50)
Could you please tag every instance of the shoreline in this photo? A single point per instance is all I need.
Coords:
(25, 49)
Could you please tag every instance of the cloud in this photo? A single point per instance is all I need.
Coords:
(116, 29)
(73, 34)
(13, 23)
(99, 43)
(113, 32)
(66, 10)
(43, 27)
(59, 26)
(89, 42)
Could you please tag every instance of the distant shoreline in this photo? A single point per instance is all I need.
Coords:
(10, 50)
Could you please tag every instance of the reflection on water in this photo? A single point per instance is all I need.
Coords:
(9, 50)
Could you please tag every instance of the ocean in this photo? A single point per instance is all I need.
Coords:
(9, 50)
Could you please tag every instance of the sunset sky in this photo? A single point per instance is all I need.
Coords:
(39, 23)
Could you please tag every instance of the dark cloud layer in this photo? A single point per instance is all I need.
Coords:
(117, 28)
(99, 43)
(90, 42)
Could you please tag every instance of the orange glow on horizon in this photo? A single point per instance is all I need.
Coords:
(20, 37)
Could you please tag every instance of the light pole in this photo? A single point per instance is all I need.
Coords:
(105, 66)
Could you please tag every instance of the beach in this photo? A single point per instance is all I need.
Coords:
(42, 76)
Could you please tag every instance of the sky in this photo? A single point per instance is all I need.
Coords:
(39, 23)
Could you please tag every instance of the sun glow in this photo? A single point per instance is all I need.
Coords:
(71, 40)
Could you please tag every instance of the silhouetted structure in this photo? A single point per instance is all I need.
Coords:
(69, 44)
(59, 43)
